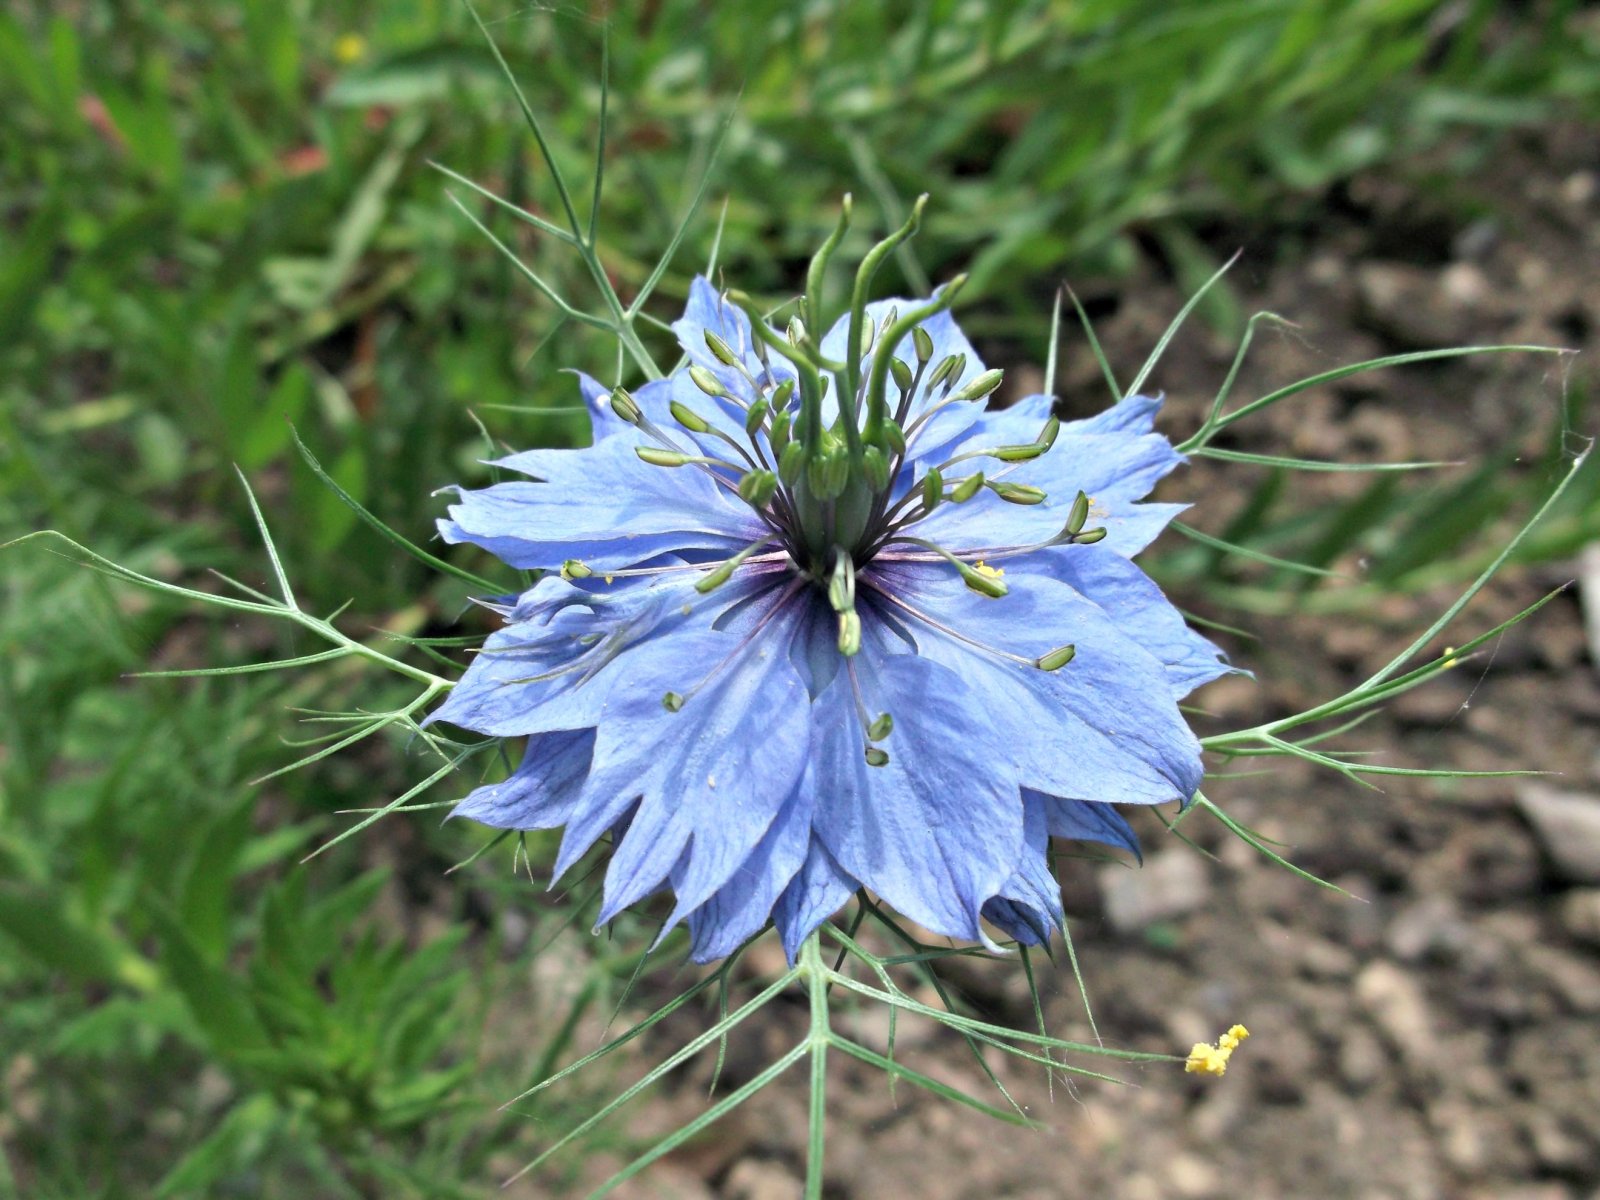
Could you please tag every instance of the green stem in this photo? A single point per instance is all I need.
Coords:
(584, 240)
(817, 979)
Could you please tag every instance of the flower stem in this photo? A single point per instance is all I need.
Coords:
(816, 976)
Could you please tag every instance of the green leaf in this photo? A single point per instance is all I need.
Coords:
(59, 941)
(204, 902)
(237, 1143)
(412, 77)
(267, 433)
(220, 1002)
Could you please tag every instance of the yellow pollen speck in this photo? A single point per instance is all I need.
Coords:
(350, 47)
(1206, 1059)
(984, 568)
(609, 579)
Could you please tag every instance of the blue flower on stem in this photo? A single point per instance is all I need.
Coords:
(815, 619)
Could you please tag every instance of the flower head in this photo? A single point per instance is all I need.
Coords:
(786, 647)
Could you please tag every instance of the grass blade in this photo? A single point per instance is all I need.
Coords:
(1177, 323)
(1106, 372)
(1216, 543)
(1312, 464)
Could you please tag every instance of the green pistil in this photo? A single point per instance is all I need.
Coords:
(819, 266)
(858, 303)
(888, 343)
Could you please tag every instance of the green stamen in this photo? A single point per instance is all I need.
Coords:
(1078, 515)
(624, 406)
(688, 418)
(1018, 493)
(1057, 658)
(727, 567)
(967, 488)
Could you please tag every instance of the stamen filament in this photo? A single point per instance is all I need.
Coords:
(988, 585)
(943, 628)
(776, 556)
(745, 642)
(725, 569)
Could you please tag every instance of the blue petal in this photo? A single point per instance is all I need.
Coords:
(709, 779)
(818, 891)
(811, 628)
(1028, 906)
(568, 645)
(1113, 469)
(1086, 821)
(1131, 528)
(1121, 465)
(723, 413)
(988, 523)
(707, 310)
(652, 400)
(604, 506)
(815, 648)
(597, 399)
(1113, 458)
(1132, 414)
(541, 793)
(516, 684)
(1131, 598)
(937, 830)
(741, 907)
(503, 695)
(1103, 727)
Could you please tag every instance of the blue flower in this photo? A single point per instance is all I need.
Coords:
(782, 652)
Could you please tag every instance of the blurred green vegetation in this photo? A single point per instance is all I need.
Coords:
(218, 221)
